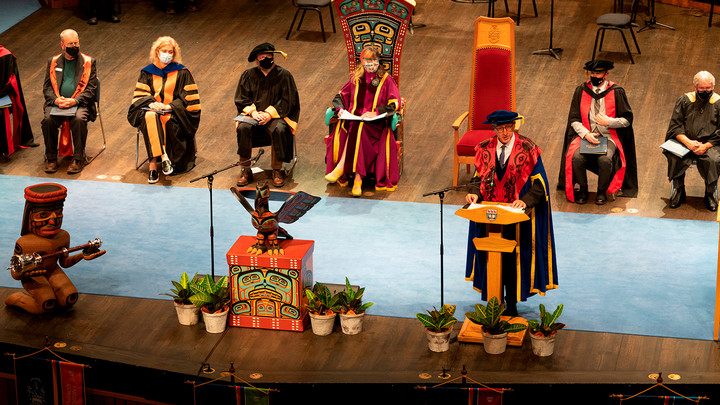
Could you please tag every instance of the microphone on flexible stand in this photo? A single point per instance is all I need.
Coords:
(257, 157)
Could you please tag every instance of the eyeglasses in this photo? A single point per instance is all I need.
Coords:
(505, 128)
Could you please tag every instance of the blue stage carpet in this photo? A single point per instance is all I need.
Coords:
(617, 274)
(14, 11)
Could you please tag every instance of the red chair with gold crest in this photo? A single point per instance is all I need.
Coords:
(492, 86)
(382, 24)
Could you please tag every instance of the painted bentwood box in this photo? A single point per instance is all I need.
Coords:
(267, 291)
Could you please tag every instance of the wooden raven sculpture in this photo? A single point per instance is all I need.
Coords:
(267, 222)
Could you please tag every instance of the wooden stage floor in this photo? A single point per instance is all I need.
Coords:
(389, 351)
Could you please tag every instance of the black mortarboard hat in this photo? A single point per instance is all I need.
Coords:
(264, 47)
(599, 65)
(500, 117)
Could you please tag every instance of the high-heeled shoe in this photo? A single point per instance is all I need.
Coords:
(334, 175)
(357, 188)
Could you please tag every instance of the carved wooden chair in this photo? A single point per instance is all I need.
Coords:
(492, 86)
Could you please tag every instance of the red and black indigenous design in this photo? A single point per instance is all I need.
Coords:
(520, 163)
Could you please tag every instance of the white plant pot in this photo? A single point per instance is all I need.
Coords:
(187, 314)
(543, 346)
(322, 325)
(215, 323)
(438, 341)
(494, 344)
(351, 324)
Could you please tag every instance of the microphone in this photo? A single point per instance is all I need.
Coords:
(257, 157)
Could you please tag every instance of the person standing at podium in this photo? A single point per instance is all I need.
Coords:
(509, 170)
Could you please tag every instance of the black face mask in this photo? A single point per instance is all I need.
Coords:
(266, 63)
(596, 81)
(704, 95)
(72, 51)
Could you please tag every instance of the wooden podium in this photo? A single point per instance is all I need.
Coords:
(495, 216)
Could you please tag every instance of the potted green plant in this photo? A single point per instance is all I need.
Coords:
(352, 309)
(542, 332)
(438, 326)
(213, 299)
(494, 329)
(187, 312)
(321, 306)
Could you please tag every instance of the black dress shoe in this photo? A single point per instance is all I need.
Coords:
(153, 176)
(92, 21)
(678, 197)
(710, 202)
(600, 198)
(115, 18)
(581, 196)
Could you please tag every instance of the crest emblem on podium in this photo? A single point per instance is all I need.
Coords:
(491, 214)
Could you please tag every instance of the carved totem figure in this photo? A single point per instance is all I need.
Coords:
(268, 223)
(42, 248)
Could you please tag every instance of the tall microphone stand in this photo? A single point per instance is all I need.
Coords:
(550, 51)
(441, 194)
(210, 177)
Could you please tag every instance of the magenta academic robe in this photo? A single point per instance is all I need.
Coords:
(371, 147)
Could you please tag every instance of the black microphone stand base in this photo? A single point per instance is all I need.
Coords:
(652, 23)
(554, 52)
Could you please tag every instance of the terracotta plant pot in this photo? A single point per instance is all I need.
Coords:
(494, 344)
(543, 346)
(322, 325)
(351, 324)
(438, 341)
(188, 314)
(216, 323)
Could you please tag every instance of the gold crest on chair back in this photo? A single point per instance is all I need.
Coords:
(492, 86)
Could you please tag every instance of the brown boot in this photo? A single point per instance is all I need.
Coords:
(278, 178)
(75, 166)
(51, 166)
(246, 176)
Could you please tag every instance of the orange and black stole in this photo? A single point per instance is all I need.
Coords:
(65, 147)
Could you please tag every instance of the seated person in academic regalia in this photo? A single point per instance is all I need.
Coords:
(70, 82)
(268, 95)
(15, 131)
(509, 170)
(166, 108)
(599, 109)
(358, 149)
(695, 123)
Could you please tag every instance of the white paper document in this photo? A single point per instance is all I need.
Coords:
(352, 117)
(503, 207)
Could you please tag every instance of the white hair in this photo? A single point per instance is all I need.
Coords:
(703, 76)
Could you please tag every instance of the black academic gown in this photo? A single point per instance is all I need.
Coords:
(626, 136)
(176, 88)
(275, 94)
(10, 86)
